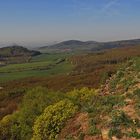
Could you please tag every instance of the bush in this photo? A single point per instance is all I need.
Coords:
(136, 96)
(82, 96)
(137, 93)
(81, 136)
(115, 132)
(134, 134)
(49, 124)
(93, 130)
(120, 118)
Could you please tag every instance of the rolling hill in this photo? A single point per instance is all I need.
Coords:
(11, 51)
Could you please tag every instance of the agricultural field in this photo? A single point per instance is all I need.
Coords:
(39, 66)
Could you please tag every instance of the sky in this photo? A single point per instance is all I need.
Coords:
(38, 22)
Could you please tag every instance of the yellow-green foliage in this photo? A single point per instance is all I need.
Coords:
(81, 96)
(48, 125)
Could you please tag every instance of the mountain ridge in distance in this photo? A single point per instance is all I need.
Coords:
(77, 45)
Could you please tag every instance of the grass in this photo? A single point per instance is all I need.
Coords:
(40, 66)
(50, 57)
(23, 67)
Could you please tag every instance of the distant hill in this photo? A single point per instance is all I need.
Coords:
(70, 45)
(76, 45)
(117, 44)
(12, 51)
(16, 54)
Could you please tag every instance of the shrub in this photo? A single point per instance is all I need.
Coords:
(104, 76)
(81, 136)
(137, 108)
(82, 96)
(137, 92)
(49, 124)
(69, 137)
(93, 130)
(136, 95)
(115, 132)
(120, 118)
(127, 83)
(134, 134)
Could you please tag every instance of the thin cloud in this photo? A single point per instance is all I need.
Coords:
(110, 8)
(110, 4)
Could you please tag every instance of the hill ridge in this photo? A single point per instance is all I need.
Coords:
(77, 45)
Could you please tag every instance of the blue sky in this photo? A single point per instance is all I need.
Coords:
(36, 22)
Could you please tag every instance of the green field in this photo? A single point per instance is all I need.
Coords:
(50, 57)
(42, 65)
